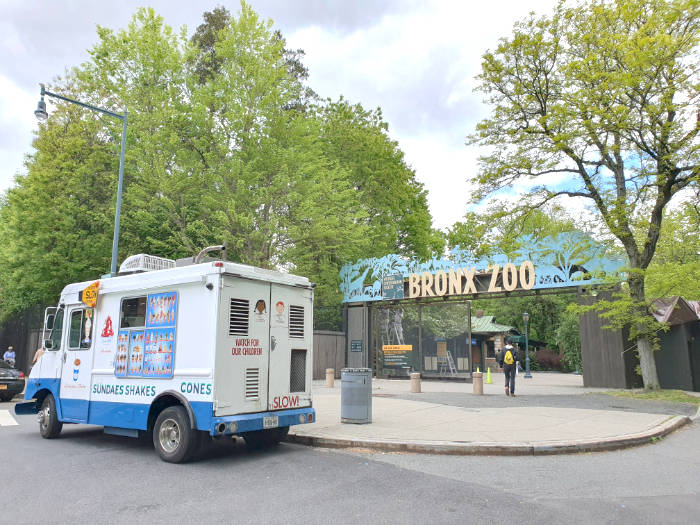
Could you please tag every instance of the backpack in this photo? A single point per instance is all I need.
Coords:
(508, 358)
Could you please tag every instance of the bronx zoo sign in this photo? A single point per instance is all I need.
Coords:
(464, 281)
(566, 260)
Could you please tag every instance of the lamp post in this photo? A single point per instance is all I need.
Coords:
(42, 115)
(526, 318)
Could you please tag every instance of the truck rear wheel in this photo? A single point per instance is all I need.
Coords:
(265, 438)
(173, 437)
(49, 425)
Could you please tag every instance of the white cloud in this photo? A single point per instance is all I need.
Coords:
(16, 124)
(419, 67)
(444, 169)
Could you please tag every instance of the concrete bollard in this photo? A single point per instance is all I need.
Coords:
(330, 377)
(415, 382)
(478, 383)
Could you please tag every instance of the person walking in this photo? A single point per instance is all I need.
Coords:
(508, 363)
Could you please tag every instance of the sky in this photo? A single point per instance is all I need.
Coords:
(416, 60)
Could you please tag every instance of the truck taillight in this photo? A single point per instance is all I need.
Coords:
(310, 418)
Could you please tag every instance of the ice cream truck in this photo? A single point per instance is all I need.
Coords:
(181, 352)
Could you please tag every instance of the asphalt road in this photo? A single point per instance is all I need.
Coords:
(86, 476)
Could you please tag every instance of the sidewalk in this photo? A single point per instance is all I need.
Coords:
(412, 425)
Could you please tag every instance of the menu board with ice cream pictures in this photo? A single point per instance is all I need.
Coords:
(122, 357)
(160, 346)
(136, 351)
(162, 310)
(161, 319)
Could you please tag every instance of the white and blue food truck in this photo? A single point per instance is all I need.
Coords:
(182, 352)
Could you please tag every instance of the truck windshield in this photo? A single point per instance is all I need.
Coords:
(57, 332)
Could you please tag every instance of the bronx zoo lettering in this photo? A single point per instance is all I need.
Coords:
(463, 281)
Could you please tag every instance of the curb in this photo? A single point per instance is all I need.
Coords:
(497, 449)
(696, 416)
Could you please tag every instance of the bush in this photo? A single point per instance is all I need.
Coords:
(547, 360)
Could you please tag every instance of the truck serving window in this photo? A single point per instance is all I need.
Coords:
(80, 335)
(147, 336)
(133, 312)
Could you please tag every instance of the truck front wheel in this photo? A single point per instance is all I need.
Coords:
(173, 437)
(49, 425)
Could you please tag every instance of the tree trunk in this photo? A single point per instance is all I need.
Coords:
(644, 347)
(647, 364)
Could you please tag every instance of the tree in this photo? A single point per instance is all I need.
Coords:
(223, 145)
(394, 202)
(675, 268)
(56, 223)
(603, 95)
(568, 338)
(500, 232)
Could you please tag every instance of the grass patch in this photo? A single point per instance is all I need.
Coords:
(671, 396)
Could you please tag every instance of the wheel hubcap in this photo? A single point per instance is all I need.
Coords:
(44, 416)
(169, 435)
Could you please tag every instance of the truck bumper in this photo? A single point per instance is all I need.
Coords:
(233, 425)
(27, 408)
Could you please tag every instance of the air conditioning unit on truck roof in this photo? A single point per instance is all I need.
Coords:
(209, 349)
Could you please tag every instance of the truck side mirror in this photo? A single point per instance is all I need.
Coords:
(48, 344)
(49, 321)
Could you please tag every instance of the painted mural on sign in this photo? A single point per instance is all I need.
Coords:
(566, 260)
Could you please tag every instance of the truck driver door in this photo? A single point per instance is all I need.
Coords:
(77, 363)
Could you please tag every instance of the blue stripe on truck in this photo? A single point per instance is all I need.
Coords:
(135, 415)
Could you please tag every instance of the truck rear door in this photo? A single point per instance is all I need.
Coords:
(291, 327)
(241, 379)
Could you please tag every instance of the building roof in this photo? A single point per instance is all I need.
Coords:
(486, 325)
(676, 310)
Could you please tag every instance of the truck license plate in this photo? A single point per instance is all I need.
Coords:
(270, 422)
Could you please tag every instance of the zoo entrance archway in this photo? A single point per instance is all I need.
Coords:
(407, 315)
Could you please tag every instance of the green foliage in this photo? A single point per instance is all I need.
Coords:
(605, 93)
(498, 231)
(55, 224)
(675, 268)
(223, 145)
(568, 339)
(395, 203)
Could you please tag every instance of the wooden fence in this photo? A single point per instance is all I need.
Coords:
(329, 352)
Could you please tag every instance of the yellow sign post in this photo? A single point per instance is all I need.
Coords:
(89, 294)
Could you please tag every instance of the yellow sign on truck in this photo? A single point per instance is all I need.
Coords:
(89, 294)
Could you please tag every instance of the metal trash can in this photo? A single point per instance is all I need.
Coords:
(356, 395)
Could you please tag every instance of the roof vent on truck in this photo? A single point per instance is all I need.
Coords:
(144, 263)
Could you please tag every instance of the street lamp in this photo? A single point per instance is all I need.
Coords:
(42, 115)
(526, 318)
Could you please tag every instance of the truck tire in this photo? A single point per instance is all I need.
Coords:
(49, 425)
(261, 439)
(173, 437)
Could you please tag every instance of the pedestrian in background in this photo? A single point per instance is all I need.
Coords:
(9, 356)
(508, 363)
